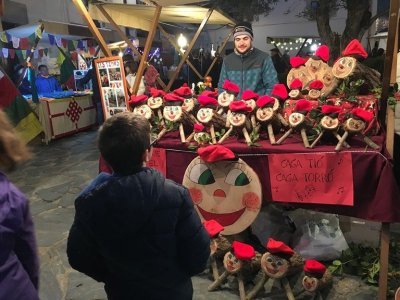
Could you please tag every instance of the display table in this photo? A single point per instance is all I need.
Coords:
(66, 116)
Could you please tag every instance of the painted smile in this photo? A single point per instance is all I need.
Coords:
(224, 219)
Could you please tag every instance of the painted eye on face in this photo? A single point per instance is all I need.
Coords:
(237, 177)
(269, 259)
(202, 175)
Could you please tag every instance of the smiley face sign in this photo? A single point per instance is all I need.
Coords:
(274, 266)
(226, 191)
(143, 110)
(310, 284)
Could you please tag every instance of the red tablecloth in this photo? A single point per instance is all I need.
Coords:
(376, 194)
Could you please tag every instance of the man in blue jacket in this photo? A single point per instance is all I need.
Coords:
(134, 230)
(248, 67)
(46, 83)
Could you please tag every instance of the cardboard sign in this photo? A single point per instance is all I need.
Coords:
(158, 160)
(323, 178)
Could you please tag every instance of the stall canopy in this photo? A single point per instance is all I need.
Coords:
(141, 16)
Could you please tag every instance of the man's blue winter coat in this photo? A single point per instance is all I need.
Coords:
(140, 235)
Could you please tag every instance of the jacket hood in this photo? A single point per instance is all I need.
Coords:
(124, 202)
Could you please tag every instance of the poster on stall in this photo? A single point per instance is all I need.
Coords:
(112, 84)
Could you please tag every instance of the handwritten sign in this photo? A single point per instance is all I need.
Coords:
(323, 178)
(158, 160)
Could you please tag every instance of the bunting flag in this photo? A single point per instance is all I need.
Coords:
(3, 37)
(18, 110)
(19, 55)
(51, 39)
(80, 44)
(39, 32)
(24, 43)
(5, 52)
(15, 41)
(58, 41)
(85, 44)
(32, 39)
(36, 54)
(46, 51)
(66, 70)
(11, 52)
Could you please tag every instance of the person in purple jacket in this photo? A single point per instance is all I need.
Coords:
(19, 264)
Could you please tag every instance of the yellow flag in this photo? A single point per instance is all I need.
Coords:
(3, 37)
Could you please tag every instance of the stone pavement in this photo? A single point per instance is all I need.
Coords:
(52, 180)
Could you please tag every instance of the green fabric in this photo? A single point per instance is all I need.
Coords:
(18, 110)
(32, 80)
(66, 70)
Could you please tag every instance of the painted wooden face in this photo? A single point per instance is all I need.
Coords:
(295, 94)
(344, 67)
(295, 119)
(310, 284)
(329, 123)
(155, 102)
(224, 99)
(188, 104)
(354, 125)
(314, 94)
(205, 114)
(313, 65)
(264, 114)
(251, 103)
(231, 263)
(172, 113)
(226, 191)
(274, 266)
(143, 110)
(301, 73)
(328, 79)
(237, 119)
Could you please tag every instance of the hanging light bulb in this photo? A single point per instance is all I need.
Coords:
(182, 42)
(212, 51)
(120, 53)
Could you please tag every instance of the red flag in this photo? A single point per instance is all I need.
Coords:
(8, 91)
(24, 43)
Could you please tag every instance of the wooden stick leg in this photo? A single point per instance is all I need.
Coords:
(271, 135)
(283, 137)
(258, 286)
(227, 123)
(282, 119)
(342, 139)
(257, 129)
(160, 116)
(161, 133)
(246, 136)
(304, 138)
(213, 286)
(225, 136)
(242, 292)
(253, 121)
(182, 133)
(214, 267)
(220, 111)
(345, 144)
(317, 139)
(288, 289)
(384, 260)
(213, 137)
(370, 143)
(190, 137)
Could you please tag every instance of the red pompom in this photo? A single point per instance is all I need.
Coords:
(213, 227)
(274, 246)
(314, 267)
(136, 100)
(198, 127)
(231, 87)
(156, 92)
(296, 84)
(279, 91)
(265, 100)
(239, 106)
(214, 153)
(323, 53)
(297, 61)
(249, 94)
(302, 105)
(355, 48)
(363, 114)
(183, 91)
(243, 251)
(171, 97)
(330, 109)
(316, 85)
(207, 101)
(209, 94)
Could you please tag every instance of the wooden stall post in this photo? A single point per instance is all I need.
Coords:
(147, 48)
(125, 38)
(93, 28)
(187, 52)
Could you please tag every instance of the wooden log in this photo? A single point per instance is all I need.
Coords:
(282, 119)
(304, 137)
(182, 133)
(284, 137)
(190, 137)
(160, 116)
(226, 135)
(212, 132)
(161, 133)
(214, 267)
(217, 283)
(242, 292)
(288, 289)
(271, 135)
(341, 141)
(370, 143)
(257, 287)
(317, 139)
(345, 144)
(246, 136)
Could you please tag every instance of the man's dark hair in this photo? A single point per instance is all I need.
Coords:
(41, 67)
(123, 139)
